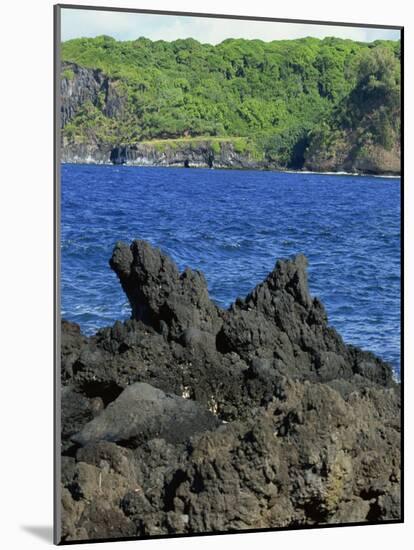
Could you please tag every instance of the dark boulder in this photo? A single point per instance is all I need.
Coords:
(143, 412)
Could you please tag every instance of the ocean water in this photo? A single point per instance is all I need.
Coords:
(234, 225)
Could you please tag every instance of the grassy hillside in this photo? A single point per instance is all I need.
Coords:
(283, 96)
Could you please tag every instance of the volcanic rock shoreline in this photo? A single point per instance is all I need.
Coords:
(203, 153)
(188, 418)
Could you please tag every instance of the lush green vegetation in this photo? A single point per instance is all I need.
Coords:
(371, 111)
(277, 95)
(68, 74)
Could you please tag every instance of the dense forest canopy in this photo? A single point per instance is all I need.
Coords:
(282, 96)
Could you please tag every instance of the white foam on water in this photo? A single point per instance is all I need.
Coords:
(341, 173)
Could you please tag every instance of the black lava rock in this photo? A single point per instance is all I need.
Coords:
(189, 418)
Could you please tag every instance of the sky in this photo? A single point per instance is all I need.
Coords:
(130, 26)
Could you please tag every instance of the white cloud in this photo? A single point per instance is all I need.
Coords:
(129, 26)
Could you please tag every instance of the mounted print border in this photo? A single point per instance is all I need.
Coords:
(184, 168)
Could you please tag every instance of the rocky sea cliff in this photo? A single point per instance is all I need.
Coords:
(197, 153)
(188, 418)
(207, 153)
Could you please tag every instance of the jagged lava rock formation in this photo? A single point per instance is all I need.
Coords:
(189, 418)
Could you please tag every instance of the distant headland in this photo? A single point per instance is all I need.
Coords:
(318, 105)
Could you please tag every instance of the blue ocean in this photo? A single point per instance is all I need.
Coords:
(233, 226)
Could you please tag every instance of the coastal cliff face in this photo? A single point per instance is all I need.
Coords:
(343, 155)
(196, 153)
(80, 85)
(258, 416)
(205, 153)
